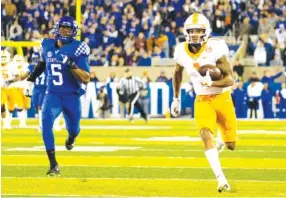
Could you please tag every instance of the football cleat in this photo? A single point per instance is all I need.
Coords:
(146, 120)
(70, 142)
(55, 171)
(131, 119)
(223, 187)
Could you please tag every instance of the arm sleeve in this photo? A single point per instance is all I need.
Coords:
(277, 75)
(82, 63)
(39, 69)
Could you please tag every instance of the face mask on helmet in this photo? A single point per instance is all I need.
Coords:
(35, 58)
(197, 29)
(196, 36)
(66, 30)
(18, 59)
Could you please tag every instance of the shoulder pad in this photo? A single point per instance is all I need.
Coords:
(81, 49)
(48, 42)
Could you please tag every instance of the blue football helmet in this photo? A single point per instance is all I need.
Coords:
(35, 58)
(66, 21)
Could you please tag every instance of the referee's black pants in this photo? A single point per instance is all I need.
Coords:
(133, 102)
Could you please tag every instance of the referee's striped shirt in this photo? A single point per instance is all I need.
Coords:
(131, 85)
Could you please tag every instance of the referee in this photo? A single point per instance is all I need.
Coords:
(132, 86)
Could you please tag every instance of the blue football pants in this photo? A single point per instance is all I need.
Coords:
(53, 105)
(38, 97)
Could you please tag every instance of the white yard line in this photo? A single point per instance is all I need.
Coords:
(103, 196)
(143, 167)
(128, 157)
(114, 127)
(142, 179)
(96, 196)
(110, 196)
(138, 149)
(201, 150)
(157, 127)
(263, 132)
(135, 156)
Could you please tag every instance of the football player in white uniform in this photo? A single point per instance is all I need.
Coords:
(23, 103)
(8, 99)
(213, 106)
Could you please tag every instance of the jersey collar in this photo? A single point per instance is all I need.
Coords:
(195, 56)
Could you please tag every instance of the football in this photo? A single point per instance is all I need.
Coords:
(215, 72)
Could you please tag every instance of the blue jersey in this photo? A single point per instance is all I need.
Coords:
(41, 81)
(60, 78)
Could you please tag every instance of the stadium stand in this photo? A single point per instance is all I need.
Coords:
(124, 32)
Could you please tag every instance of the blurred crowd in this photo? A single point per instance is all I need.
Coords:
(260, 96)
(135, 32)
(260, 93)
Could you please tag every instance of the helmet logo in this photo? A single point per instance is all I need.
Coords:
(49, 54)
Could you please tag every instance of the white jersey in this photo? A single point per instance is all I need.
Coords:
(209, 53)
(7, 73)
(17, 70)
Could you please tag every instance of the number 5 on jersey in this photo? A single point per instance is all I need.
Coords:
(56, 72)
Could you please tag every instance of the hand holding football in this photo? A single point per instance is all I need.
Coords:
(214, 72)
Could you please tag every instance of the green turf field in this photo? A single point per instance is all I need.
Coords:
(161, 159)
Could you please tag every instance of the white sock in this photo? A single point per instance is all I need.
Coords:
(7, 120)
(218, 137)
(57, 121)
(212, 156)
(22, 116)
(40, 117)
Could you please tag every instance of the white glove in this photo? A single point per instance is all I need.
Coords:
(5, 83)
(175, 107)
(207, 80)
(28, 90)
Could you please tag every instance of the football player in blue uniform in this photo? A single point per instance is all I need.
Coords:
(65, 60)
(39, 88)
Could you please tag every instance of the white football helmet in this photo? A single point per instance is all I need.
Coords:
(197, 21)
(5, 57)
(18, 59)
